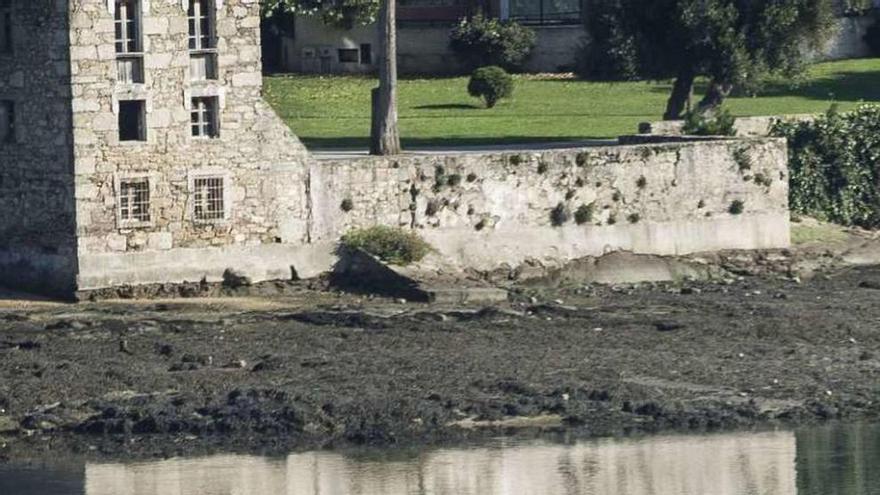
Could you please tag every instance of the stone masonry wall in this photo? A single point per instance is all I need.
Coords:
(37, 245)
(263, 162)
(485, 210)
(496, 210)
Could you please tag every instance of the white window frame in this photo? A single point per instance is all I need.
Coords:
(130, 14)
(207, 108)
(198, 40)
(133, 223)
(211, 173)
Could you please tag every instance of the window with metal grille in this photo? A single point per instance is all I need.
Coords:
(204, 117)
(546, 11)
(208, 199)
(7, 121)
(349, 55)
(134, 200)
(201, 25)
(128, 36)
(5, 26)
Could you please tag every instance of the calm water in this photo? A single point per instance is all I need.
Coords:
(824, 461)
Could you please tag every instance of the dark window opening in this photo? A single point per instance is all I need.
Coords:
(5, 26)
(132, 120)
(7, 121)
(366, 54)
(349, 55)
(546, 11)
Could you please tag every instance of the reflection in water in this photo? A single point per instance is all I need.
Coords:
(674, 465)
(842, 460)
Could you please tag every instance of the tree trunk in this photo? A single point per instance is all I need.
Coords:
(680, 99)
(384, 134)
(715, 96)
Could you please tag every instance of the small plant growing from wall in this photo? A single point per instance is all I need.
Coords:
(492, 84)
(472, 177)
(347, 205)
(737, 207)
(570, 194)
(616, 196)
(763, 180)
(584, 214)
(516, 160)
(559, 215)
(634, 218)
(582, 159)
(612, 219)
(722, 123)
(743, 159)
(453, 180)
(433, 208)
(542, 168)
(389, 244)
(641, 182)
(579, 183)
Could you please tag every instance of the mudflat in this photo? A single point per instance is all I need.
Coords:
(311, 367)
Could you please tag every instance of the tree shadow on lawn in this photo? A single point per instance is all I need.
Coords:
(842, 86)
(448, 106)
(319, 144)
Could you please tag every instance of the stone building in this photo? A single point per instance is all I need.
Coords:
(133, 136)
(135, 148)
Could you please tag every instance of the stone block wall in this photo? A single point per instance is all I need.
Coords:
(485, 210)
(262, 163)
(37, 244)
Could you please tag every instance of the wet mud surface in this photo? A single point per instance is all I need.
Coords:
(310, 368)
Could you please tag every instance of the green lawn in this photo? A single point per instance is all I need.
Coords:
(334, 111)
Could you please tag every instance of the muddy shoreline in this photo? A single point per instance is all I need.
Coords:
(312, 369)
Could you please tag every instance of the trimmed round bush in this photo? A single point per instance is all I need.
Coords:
(491, 84)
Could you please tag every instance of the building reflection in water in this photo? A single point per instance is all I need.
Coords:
(730, 464)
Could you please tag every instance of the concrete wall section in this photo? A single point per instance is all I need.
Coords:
(848, 40)
(422, 49)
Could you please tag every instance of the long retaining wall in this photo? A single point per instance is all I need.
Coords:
(485, 211)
